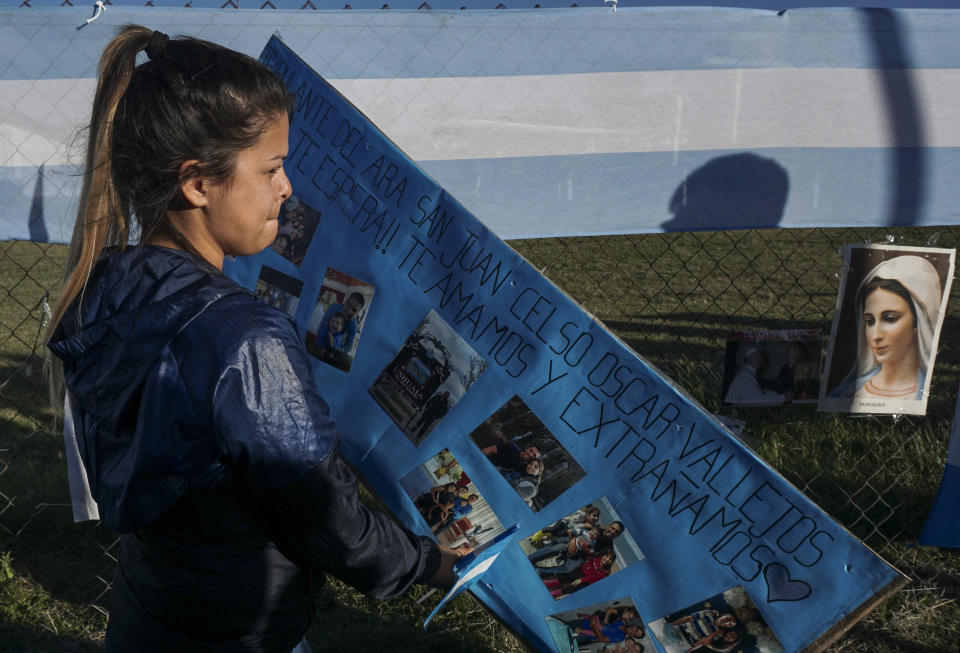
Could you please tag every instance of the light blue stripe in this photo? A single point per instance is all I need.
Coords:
(631, 193)
(45, 44)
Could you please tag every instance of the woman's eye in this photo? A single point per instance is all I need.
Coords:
(869, 320)
(890, 318)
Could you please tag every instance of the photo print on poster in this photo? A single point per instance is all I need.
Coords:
(580, 549)
(338, 318)
(724, 623)
(883, 343)
(298, 222)
(451, 504)
(527, 455)
(433, 369)
(763, 368)
(614, 626)
(277, 289)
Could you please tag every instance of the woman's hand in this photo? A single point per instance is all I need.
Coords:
(445, 578)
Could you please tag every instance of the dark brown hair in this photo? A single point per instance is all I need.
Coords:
(192, 100)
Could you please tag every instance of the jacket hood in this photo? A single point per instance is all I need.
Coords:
(135, 303)
(115, 345)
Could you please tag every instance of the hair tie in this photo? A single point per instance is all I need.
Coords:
(156, 45)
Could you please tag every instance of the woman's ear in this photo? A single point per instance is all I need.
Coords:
(193, 187)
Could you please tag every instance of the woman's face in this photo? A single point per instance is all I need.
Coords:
(240, 215)
(888, 326)
(726, 621)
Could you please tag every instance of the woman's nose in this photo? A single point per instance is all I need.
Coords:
(285, 188)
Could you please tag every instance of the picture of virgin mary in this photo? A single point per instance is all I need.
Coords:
(896, 313)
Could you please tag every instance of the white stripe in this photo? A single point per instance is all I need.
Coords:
(41, 119)
(477, 118)
(542, 115)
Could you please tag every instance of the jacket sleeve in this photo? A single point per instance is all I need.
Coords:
(327, 529)
(281, 442)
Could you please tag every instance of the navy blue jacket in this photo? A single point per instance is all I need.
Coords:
(207, 446)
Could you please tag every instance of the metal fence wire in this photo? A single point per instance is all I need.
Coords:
(673, 298)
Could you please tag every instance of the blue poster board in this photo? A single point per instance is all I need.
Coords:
(475, 396)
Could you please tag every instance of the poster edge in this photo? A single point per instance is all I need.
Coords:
(841, 627)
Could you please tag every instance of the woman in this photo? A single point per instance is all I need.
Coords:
(897, 306)
(204, 440)
(445, 515)
(566, 579)
(438, 495)
(526, 481)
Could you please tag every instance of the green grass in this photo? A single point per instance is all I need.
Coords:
(672, 298)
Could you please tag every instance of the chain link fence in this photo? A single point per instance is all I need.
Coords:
(673, 298)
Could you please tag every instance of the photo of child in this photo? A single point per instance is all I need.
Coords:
(614, 626)
(580, 549)
(526, 454)
(450, 504)
(723, 623)
(433, 369)
(277, 289)
(338, 317)
(298, 222)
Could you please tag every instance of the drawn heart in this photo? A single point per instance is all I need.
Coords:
(780, 587)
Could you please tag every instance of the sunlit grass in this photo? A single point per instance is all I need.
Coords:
(673, 299)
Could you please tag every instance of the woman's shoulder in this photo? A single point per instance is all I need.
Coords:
(239, 319)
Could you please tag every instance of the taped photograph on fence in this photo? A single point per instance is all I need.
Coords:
(343, 304)
(277, 289)
(612, 626)
(581, 549)
(450, 504)
(298, 222)
(526, 454)
(883, 343)
(725, 623)
(433, 369)
(763, 368)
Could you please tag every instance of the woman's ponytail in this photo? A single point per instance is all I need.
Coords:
(102, 219)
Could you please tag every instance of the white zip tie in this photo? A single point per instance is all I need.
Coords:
(45, 307)
(100, 8)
